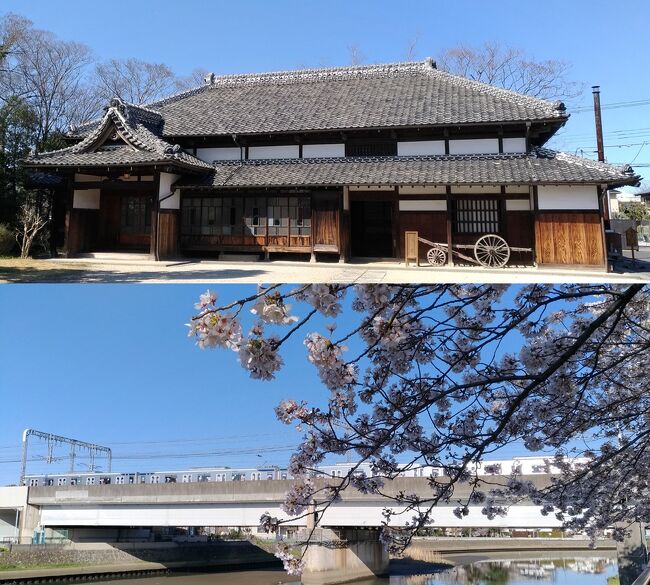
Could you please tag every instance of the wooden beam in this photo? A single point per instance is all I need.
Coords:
(450, 257)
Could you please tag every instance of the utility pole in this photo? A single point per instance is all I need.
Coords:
(604, 202)
(599, 123)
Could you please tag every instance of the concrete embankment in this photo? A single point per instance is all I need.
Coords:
(37, 564)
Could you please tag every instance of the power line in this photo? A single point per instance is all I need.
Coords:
(614, 105)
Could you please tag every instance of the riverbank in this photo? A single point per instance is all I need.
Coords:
(36, 564)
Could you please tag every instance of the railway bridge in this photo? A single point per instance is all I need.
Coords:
(353, 521)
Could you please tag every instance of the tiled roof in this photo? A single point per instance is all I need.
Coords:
(540, 167)
(138, 143)
(374, 96)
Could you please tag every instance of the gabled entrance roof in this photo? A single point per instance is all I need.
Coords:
(126, 136)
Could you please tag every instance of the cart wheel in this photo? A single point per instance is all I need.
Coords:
(492, 251)
(437, 256)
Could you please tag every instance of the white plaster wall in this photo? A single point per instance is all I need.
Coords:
(421, 190)
(166, 181)
(474, 146)
(514, 145)
(517, 205)
(423, 205)
(476, 189)
(211, 154)
(261, 152)
(519, 189)
(323, 150)
(86, 199)
(340, 514)
(567, 197)
(421, 147)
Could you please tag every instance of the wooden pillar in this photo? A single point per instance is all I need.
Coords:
(344, 227)
(68, 245)
(535, 210)
(601, 194)
(155, 210)
(450, 256)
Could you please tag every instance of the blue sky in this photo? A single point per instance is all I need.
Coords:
(605, 42)
(112, 365)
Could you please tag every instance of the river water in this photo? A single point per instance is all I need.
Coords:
(500, 569)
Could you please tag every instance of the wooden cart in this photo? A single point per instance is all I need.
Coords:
(490, 250)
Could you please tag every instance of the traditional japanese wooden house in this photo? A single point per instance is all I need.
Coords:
(338, 161)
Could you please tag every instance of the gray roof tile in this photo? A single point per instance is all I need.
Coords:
(374, 96)
(541, 167)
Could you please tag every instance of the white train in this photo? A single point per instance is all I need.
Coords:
(521, 465)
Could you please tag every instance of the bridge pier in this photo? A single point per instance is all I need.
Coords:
(341, 555)
(632, 553)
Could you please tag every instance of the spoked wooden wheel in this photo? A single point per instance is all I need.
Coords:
(437, 256)
(492, 251)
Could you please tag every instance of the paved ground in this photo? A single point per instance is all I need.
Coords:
(14, 270)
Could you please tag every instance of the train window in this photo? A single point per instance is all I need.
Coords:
(131, 479)
(33, 482)
(104, 480)
(186, 478)
(119, 480)
(143, 479)
(269, 476)
(170, 479)
(61, 481)
(90, 481)
(284, 476)
(50, 482)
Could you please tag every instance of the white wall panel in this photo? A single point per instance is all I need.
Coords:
(420, 147)
(474, 146)
(86, 199)
(323, 150)
(423, 205)
(211, 154)
(165, 189)
(517, 205)
(262, 152)
(568, 197)
(514, 145)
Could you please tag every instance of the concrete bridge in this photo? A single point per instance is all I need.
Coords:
(241, 504)
(350, 524)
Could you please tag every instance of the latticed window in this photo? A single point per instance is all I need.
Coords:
(216, 216)
(136, 215)
(371, 149)
(289, 216)
(476, 216)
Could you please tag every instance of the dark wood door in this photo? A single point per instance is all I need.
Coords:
(372, 228)
(135, 222)
(109, 221)
(125, 222)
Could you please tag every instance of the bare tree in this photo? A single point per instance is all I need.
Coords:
(409, 54)
(356, 56)
(33, 218)
(134, 81)
(46, 72)
(511, 68)
(195, 79)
